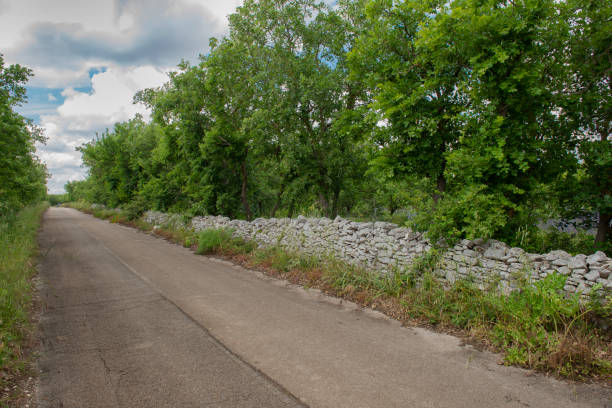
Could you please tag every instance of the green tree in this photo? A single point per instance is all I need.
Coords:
(587, 54)
(416, 89)
(310, 104)
(470, 95)
(514, 141)
(22, 175)
(119, 163)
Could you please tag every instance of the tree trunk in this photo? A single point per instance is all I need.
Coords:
(277, 203)
(441, 186)
(335, 204)
(603, 228)
(291, 208)
(323, 203)
(441, 183)
(243, 192)
(392, 208)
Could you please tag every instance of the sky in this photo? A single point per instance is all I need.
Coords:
(90, 57)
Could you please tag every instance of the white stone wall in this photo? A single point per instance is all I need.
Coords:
(381, 246)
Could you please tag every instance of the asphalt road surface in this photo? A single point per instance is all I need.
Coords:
(131, 320)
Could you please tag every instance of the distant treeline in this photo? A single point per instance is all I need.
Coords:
(477, 117)
(22, 175)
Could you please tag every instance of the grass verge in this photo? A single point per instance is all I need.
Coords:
(18, 248)
(536, 326)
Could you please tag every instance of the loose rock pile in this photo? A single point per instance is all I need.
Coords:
(382, 246)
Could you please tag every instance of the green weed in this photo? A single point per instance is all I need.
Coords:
(221, 240)
(17, 266)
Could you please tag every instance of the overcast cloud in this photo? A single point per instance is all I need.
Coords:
(90, 57)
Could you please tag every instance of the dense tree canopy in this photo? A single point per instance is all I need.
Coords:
(477, 118)
(22, 175)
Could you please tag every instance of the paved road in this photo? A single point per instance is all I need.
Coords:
(134, 321)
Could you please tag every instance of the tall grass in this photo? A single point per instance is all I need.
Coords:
(221, 241)
(17, 266)
(113, 215)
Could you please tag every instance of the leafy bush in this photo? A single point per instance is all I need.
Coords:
(212, 240)
(135, 208)
(469, 212)
(221, 240)
(542, 241)
(56, 199)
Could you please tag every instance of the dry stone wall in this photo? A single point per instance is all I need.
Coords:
(382, 246)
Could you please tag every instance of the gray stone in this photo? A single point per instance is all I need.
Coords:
(379, 245)
(558, 254)
(578, 262)
(474, 243)
(516, 252)
(592, 276)
(536, 257)
(560, 262)
(398, 232)
(515, 267)
(472, 261)
(596, 257)
(564, 270)
(495, 253)
(470, 253)
(458, 258)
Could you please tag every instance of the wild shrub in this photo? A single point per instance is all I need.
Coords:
(135, 208)
(221, 240)
(540, 241)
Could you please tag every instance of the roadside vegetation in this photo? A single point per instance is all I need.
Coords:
(479, 119)
(57, 199)
(18, 249)
(22, 174)
(536, 326)
(22, 191)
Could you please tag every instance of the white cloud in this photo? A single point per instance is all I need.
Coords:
(61, 39)
(137, 40)
(112, 93)
(56, 77)
(221, 9)
(83, 114)
(20, 14)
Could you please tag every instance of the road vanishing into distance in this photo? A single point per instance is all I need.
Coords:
(131, 320)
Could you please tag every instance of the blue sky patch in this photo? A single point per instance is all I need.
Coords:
(94, 71)
(41, 101)
(45, 101)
